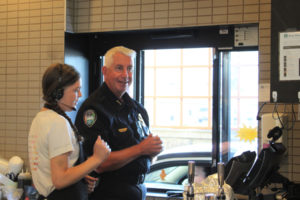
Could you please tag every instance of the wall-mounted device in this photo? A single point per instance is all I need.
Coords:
(272, 122)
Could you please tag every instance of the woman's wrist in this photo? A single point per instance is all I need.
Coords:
(95, 160)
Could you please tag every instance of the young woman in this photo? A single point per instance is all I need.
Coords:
(56, 159)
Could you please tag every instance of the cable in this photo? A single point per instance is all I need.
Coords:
(259, 110)
(293, 116)
(292, 155)
(275, 110)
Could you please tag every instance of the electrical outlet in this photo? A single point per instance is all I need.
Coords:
(274, 96)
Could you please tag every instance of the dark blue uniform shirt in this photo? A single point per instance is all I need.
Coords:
(121, 124)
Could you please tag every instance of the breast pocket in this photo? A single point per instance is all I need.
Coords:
(121, 136)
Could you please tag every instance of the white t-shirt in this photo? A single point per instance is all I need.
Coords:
(50, 135)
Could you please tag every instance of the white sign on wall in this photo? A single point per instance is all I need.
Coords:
(246, 36)
(289, 56)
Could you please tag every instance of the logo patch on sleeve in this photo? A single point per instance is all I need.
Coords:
(89, 117)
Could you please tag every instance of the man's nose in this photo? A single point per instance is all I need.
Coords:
(125, 72)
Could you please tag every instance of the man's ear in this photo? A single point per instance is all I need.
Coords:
(104, 69)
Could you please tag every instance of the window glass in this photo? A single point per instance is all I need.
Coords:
(180, 96)
(234, 81)
(168, 81)
(171, 175)
(243, 103)
(168, 57)
(234, 113)
(149, 77)
(195, 112)
(167, 112)
(248, 75)
(248, 111)
(149, 58)
(149, 104)
(191, 57)
(193, 80)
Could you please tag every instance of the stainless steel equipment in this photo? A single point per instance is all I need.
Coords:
(191, 176)
(221, 174)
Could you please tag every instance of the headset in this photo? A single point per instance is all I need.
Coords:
(58, 93)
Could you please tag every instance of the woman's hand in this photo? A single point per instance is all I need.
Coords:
(101, 149)
(91, 181)
(63, 175)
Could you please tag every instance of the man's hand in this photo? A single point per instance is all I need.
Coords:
(151, 146)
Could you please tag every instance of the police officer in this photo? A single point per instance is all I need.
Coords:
(123, 123)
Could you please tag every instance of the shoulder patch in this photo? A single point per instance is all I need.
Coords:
(89, 117)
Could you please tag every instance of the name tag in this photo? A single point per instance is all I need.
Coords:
(122, 130)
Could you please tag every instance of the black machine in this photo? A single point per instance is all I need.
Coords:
(237, 169)
(245, 173)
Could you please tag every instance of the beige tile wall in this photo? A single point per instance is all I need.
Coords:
(107, 15)
(32, 37)
(70, 15)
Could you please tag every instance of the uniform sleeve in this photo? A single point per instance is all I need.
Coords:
(60, 138)
(87, 130)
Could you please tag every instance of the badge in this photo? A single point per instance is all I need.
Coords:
(141, 119)
(89, 118)
(142, 125)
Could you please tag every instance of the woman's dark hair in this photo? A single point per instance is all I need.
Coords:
(55, 79)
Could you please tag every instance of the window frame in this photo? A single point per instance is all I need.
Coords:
(189, 37)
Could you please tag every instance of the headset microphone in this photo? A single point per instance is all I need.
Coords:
(71, 107)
